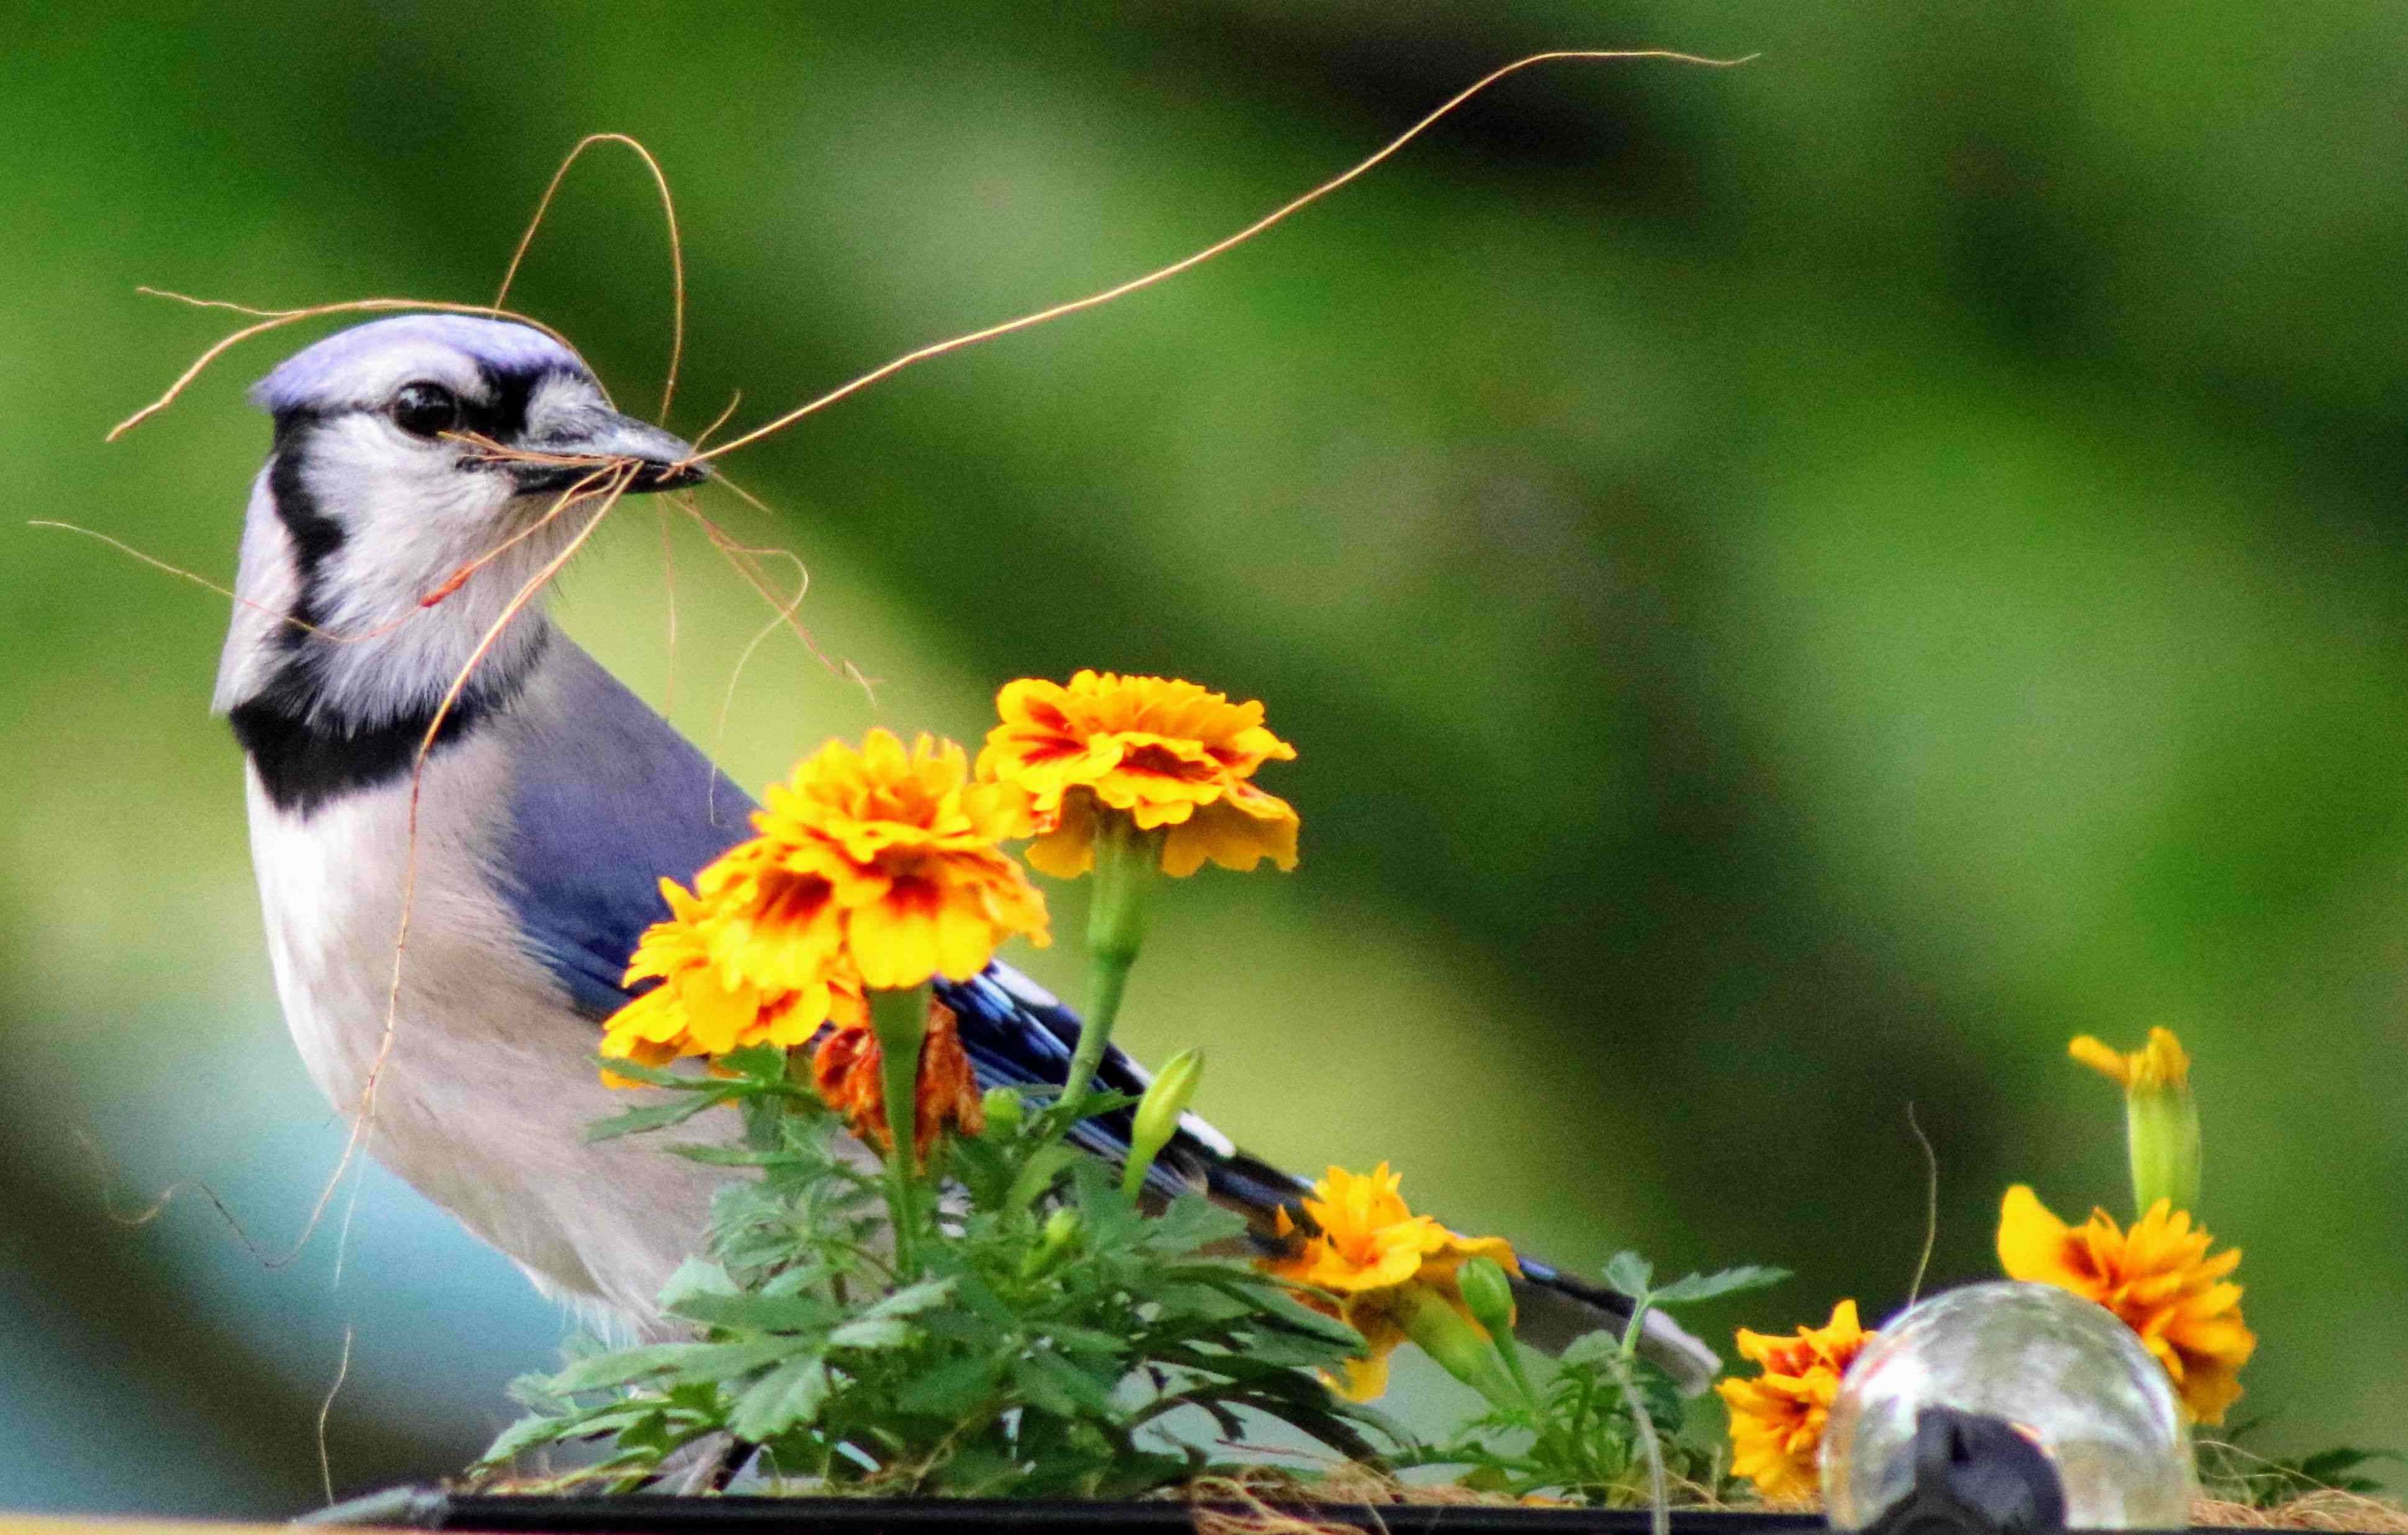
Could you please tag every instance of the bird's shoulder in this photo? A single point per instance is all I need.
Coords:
(606, 798)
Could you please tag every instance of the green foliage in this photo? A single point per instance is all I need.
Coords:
(1584, 1429)
(1053, 1339)
(2232, 1473)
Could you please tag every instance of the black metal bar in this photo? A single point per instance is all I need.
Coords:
(434, 1509)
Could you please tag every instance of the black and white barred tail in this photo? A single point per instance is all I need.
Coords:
(1017, 1034)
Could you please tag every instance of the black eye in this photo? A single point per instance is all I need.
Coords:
(425, 411)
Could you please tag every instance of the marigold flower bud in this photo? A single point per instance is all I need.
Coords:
(2160, 1116)
(1157, 1121)
(1061, 1229)
(1489, 1294)
(1004, 1110)
(1422, 1311)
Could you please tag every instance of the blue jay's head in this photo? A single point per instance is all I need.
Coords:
(385, 436)
(397, 464)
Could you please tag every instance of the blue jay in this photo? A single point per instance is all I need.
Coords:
(550, 804)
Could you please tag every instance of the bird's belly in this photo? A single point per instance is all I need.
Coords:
(475, 1077)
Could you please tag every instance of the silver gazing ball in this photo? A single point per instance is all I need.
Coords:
(2066, 1372)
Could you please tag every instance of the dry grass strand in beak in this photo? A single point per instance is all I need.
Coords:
(676, 248)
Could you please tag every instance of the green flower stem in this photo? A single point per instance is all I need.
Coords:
(1126, 860)
(1509, 1350)
(900, 1020)
(1659, 1502)
(1431, 1321)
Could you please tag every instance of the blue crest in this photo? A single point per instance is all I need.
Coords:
(499, 347)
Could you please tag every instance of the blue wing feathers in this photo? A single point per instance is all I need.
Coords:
(608, 799)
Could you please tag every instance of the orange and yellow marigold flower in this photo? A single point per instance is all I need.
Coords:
(878, 868)
(2156, 1277)
(1366, 1249)
(1778, 1418)
(848, 1067)
(1169, 755)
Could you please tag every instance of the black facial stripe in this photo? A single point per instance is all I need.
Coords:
(502, 414)
(305, 761)
(316, 536)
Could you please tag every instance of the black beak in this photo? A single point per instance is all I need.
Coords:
(587, 449)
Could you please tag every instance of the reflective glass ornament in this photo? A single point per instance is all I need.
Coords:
(2065, 1373)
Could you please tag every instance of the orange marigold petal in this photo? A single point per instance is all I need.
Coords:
(2032, 1241)
(1067, 849)
(846, 1073)
(965, 941)
(848, 1070)
(2094, 1053)
(1365, 1379)
(893, 941)
(1237, 833)
(2209, 1394)
(949, 1099)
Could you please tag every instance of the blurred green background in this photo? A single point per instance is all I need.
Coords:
(1797, 589)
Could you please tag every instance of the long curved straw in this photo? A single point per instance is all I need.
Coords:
(1196, 258)
(676, 248)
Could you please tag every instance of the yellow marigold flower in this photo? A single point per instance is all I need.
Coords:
(888, 854)
(1164, 752)
(848, 1070)
(1367, 1248)
(2162, 1063)
(1777, 1419)
(698, 1008)
(2158, 1277)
